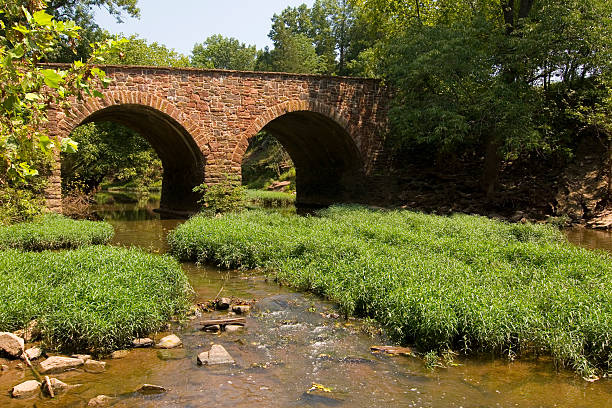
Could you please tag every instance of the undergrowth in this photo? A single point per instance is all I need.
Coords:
(462, 282)
(94, 299)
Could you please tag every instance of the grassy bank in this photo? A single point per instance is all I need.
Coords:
(459, 282)
(265, 198)
(53, 231)
(92, 299)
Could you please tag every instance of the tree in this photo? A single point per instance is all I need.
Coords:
(480, 73)
(28, 89)
(109, 151)
(296, 53)
(82, 13)
(137, 51)
(224, 53)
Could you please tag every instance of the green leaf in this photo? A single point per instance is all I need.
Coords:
(68, 145)
(32, 96)
(42, 18)
(45, 143)
(16, 52)
(52, 78)
(97, 93)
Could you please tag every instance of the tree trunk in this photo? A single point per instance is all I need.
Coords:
(492, 166)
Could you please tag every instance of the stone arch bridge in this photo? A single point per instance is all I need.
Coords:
(200, 121)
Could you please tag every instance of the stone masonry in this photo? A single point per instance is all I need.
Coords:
(200, 121)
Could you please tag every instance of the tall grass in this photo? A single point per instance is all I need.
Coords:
(53, 231)
(462, 282)
(266, 198)
(93, 299)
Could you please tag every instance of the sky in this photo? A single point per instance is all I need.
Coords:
(179, 24)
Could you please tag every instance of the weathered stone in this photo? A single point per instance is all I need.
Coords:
(216, 355)
(201, 121)
(241, 309)
(100, 401)
(151, 389)
(33, 353)
(143, 342)
(94, 366)
(119, 354)
(170, 341)
(83, 357)
(223, 303)
(232, 328)
(26, 389)
(11, 344)
(57, 385)
(57, 364)
(30, 333)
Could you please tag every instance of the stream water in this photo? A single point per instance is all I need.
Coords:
(290, 343)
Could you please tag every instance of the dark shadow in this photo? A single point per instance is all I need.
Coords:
(327, 162)
(182, 160)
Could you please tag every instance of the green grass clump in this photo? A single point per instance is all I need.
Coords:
(265, 198)
(53, 231)
(95, 299)
(460, 282)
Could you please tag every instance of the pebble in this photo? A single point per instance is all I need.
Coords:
(94, 366)
(216, 355)
(119, 354)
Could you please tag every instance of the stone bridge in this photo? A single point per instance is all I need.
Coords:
(200, 121)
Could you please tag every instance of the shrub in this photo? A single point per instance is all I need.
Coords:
(270, 198)
(92, 299)
(222, 197)
(53, 231)
(460, 282)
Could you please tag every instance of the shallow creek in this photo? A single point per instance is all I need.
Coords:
(291, 342)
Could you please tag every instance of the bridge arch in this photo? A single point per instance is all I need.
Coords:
(181, 148)
(319, 140)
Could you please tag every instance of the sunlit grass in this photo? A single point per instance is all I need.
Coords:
(95, 299)
(53, 231)
(461, 282)
(265, 198)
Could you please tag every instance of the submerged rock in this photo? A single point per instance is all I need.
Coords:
(119, 354)
(58, 364)
(100, 401)
(94, 366)
(11, 344)
(170, 341)
(216, 355)
(142, 342)
(26, 389)
(151, 389)
(57, 386)
(172, 354)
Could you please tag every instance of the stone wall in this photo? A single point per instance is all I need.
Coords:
(200, 121)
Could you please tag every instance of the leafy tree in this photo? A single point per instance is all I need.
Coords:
(82, 13)
(485, 73)
(224, 53)
(137, 51)
(296, 53)
(28, 89)
(112, 152)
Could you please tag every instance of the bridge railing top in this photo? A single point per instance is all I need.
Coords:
(222, 71)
